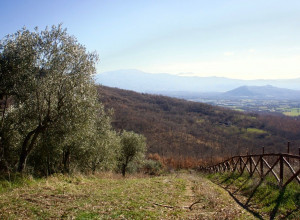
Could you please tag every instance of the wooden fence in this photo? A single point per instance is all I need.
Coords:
(284, 167)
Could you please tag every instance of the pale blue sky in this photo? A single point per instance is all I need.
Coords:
(246, 39)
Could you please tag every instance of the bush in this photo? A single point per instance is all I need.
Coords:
(153, 167)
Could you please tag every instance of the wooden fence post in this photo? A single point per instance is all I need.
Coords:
(240, 164)
(262, 163)
(288, 150)
(250, 158)
(261, 167)
(281, 172)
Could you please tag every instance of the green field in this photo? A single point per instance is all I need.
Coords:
(292, 112)
(256, 131)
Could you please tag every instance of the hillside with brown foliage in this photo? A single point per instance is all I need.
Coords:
(181, 130)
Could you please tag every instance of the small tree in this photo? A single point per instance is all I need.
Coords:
(133, 147)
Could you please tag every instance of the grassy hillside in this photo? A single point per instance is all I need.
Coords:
(107, 196)
(180, 128)
(261, 198)
(180, 195)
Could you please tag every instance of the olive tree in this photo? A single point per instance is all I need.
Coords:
(48, 76)
(99, 150)
(132, 149)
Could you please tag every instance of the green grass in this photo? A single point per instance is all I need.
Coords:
(109, 196)
(292, 112)
(239, 109)
(267, 198)
(92, 197)
(256, 131)
(15, 181)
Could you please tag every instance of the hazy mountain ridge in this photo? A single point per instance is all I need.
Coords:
(262, 92)
(163, 83)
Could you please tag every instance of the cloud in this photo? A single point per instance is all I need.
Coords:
(228, 53)
(251, 50)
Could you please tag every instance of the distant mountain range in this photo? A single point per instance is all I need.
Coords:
(166, 83)
(262, 92)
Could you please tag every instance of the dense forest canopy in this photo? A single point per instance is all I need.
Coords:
(178, 129)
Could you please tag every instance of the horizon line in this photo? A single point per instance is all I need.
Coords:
(191, 74)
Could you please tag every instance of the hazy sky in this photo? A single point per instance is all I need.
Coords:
(246, 39)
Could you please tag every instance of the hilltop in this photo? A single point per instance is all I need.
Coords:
(179, 128)
(262, 92)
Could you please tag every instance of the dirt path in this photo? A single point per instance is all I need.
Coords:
(205, 200)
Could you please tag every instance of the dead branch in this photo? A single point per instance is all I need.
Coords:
(194, 203)
(166, 206)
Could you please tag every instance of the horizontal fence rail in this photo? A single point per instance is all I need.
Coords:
(283, 166)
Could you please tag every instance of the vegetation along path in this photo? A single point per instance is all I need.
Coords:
(108, 196)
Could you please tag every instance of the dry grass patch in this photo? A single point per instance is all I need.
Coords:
(109, 196)
(93, 197)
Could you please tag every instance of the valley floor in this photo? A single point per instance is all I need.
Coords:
(107, 196)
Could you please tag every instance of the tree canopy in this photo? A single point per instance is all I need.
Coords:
(51, 116)
(47, 76)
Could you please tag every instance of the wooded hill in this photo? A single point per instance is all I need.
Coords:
(182, 129)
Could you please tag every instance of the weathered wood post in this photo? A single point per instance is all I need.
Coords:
(235, 165)
(241, 170)
(288, 150)
(262, 163)
(250, 161)
(281, 171)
